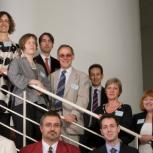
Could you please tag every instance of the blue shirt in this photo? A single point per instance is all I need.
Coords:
(109, 147)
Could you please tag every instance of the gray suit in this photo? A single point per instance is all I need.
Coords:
(76, 91)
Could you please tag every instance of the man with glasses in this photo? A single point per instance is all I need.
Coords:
(50, 126)
(72, 85)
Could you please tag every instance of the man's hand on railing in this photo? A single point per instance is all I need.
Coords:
(146, 138)
(70, 118)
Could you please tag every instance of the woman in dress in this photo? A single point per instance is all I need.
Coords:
(8, 51)
(23, 72)
(142, 123)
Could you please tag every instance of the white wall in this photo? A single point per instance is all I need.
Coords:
(100, 31)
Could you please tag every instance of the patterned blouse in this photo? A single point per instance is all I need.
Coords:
(8, 51)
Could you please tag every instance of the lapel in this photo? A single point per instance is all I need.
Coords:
(103, 149)
(122, 148)
(27, 68)
(42, 63)
(61, 148)
(37, 148)
(90, 97)
(56, 79)
(70, 81)
(51, 65)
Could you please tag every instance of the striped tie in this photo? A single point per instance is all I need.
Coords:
(60, 90)
(95, 100)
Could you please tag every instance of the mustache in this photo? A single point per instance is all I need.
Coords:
(52, 131)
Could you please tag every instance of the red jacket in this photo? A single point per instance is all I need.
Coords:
(62, 147)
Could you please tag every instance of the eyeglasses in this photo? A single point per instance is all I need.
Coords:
(65, 55)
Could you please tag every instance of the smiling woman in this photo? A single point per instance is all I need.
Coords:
(142, 122)
(23, 71)
(8, 51)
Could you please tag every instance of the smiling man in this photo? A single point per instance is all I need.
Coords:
(50, 126)
(97, 98)
(109, 127)
(72, 85)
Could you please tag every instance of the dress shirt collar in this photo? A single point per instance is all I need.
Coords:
(109, 147)
(46, 147)
(43, 57)
(67, 74)
(98, 88)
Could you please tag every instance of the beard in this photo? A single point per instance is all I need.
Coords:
(52, 135)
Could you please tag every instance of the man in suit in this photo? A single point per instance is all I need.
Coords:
(109, 127)
(50, 126)
(50, 64)
(6, 145)
(74, 89)
(97, 98)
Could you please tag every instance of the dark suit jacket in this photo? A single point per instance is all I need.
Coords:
(88, 138)
(62, 147)
(123, 149)
(136, 125)
(54, 63)
(103, 101)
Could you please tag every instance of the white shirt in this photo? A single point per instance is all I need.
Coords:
(67, 74)
(6, 145)
(45, 147)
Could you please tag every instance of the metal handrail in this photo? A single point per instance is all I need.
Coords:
(80, 108)
(47, 110)
(72, 104)
(36, 124)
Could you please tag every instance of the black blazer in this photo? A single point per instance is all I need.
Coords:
(54, 63)
(123, 149)
(137, 121)
(103, 101)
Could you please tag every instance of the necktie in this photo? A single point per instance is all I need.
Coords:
(95, 100)
(47, 65)
(50, 150)
(113, 150)
(60, 90)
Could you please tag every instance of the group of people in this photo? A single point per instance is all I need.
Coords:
(20, 67)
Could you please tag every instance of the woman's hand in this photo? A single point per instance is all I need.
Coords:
(37, 83)
(146, 138)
